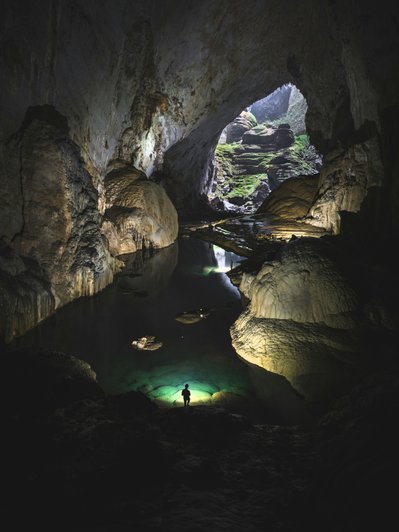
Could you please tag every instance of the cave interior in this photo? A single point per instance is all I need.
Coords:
(140, 175)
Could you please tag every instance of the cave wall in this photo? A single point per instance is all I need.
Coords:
(135, 79)
(150, 85)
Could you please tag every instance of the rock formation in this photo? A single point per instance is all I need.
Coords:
(92, 87)
(163, 104)
(285, 104)
(56, 225)
(271, 138)
(301, 321)
(240, 125)
(138, 213)
(151, 85)
(246, 173)
(345, 178)
(292, 199)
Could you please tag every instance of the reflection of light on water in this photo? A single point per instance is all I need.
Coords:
(225, 261)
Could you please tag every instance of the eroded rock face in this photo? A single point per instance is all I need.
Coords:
(285, 104)
(138, 213)
(60, 218)
(303, 286)
(273, 106)
(56, 228)
(26, 297)
(344, 180)
(301, 321)
(270, 137)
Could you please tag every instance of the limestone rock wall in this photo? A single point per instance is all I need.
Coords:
(273, 106)
(345, 178)
(302, 320)
(26, 297)
(296, 113)
(60, 219)
(55, 233)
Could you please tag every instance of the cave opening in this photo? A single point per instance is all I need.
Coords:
(266, 144)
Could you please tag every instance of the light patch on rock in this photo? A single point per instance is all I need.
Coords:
(139, 214)
(344, 180)
(301, 321)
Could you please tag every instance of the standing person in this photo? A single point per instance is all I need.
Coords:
(186, 395)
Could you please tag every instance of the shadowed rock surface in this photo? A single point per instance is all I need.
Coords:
(119, 461)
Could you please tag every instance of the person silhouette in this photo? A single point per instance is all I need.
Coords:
(186, 395)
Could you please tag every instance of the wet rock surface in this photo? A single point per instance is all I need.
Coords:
(147, 343)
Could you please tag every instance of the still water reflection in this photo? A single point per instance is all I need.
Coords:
(144, 300)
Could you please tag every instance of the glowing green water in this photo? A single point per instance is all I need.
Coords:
(145, 300)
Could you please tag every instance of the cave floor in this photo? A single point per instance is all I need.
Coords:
(118, 463)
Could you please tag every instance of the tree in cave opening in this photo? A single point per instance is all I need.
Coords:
(262, 147)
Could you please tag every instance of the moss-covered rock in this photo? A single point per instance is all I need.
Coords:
(247, 173)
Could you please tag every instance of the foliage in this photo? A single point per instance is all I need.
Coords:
(243, 186)
(228, 149)
(233, 159)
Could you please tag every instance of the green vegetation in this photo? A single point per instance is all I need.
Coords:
(223, 150)
(300, 144)
(302, 139)
(235, 159)
(243, 186)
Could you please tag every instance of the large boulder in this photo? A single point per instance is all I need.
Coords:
(139, 213)
(270, 137)
(236, 129)
(40, 380)
(301, 321)
(292, 199)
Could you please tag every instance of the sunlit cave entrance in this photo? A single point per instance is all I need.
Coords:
(262, 147)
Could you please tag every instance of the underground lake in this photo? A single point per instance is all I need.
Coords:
(144, 300)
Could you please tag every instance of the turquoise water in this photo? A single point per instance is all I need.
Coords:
(145, 300)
